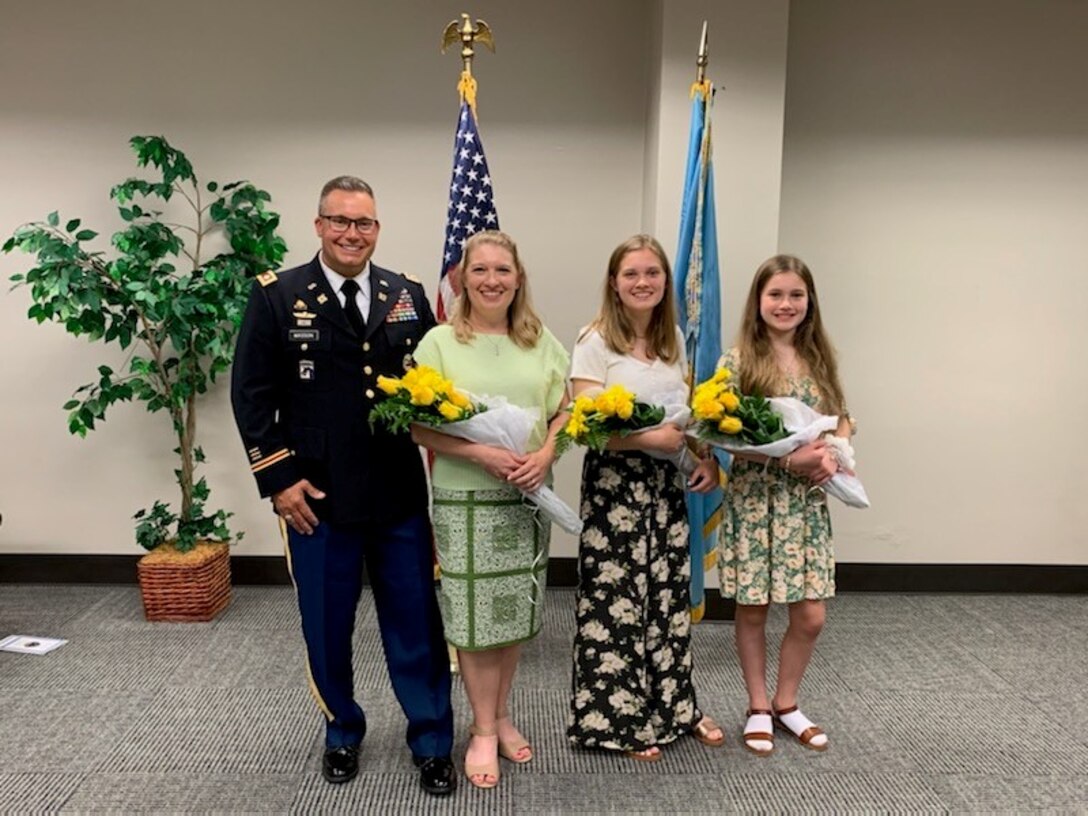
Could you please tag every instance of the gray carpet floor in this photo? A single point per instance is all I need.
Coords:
(933, 703)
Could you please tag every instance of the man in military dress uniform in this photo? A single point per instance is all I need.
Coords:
(312, 344)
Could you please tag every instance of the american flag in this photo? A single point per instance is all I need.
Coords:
(472, 206)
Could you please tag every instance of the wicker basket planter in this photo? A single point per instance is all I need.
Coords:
(185, 587)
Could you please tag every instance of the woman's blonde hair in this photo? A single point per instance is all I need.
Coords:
(524, 325)
(612, 321)
(759, 369)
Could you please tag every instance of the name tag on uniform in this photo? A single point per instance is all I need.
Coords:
(303, 335)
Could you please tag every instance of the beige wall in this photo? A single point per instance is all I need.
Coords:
(956, 126)
(935, 177)
(288, 95)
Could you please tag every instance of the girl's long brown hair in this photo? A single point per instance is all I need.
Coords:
(759, 368)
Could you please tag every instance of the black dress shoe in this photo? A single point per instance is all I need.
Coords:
(435, 775)
(340, 764)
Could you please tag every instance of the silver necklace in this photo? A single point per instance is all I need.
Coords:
(496, 346)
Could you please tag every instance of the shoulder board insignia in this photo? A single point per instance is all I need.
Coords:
(412, 278)
(267, 278)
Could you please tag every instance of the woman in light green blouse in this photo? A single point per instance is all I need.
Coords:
(493, 550)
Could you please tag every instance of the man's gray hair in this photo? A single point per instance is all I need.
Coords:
(349, 184)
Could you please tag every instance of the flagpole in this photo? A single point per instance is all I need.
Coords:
(702, 59)
(698, 287)
(471, 176)
(471, 202)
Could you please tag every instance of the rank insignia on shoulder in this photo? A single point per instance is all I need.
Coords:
(266, 278)
(412, 278)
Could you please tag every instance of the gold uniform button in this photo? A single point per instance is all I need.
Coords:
(409, 341)
(366, 346)
(370, 393)
(368, 370)
(305, 346)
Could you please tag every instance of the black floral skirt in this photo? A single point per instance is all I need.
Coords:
(632, 647)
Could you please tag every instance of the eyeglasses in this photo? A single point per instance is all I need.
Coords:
(338, 223)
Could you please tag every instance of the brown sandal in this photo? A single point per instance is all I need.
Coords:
(704, 728)
(482, 772)
(805, 737)
(747, 737)
(651, 754)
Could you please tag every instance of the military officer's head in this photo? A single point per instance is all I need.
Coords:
(347, 224)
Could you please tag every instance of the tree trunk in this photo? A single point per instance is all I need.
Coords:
(185, 436)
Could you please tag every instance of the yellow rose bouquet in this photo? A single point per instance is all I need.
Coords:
(422, 395)
(614, 411)
(721, 414)
(775, 427)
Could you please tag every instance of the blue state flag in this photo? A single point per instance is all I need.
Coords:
(699, 293)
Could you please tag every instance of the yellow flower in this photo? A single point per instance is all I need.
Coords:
(708, 390)
(390, 385)
(576, 426)
(459, 399)
(583, 404)
(730, 401)
(706, 407)
(730, 425)
(449, 411)
(422, 394)
(625, 404)
(721, 375)
(423, 376)
(615, 401)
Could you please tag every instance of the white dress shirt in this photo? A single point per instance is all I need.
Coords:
(336, 280)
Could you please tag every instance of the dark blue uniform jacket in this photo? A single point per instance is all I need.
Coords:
(303, 385)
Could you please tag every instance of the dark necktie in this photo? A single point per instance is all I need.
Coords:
(351, 307)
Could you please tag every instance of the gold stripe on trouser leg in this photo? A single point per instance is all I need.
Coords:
(309, 674)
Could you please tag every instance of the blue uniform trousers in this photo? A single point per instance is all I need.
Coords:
(327, 568)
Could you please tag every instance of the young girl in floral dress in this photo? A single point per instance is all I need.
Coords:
(776, 532)
(632, 689)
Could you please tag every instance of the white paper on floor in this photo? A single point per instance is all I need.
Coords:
(28, 644)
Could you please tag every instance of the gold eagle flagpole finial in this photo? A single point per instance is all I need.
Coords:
(701, 84)
(468, 34)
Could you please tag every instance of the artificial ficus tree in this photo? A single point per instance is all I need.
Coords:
(165, 298)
